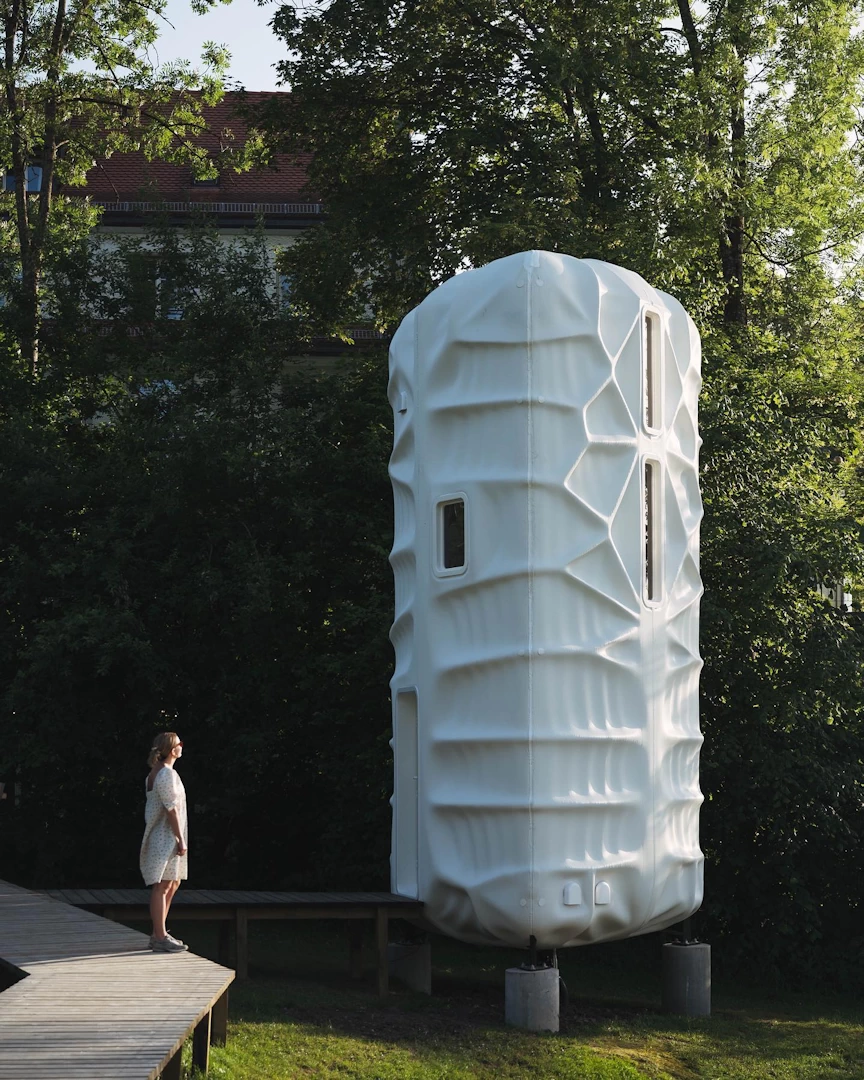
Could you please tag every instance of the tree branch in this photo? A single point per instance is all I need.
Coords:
(784, 263)
(690, 32)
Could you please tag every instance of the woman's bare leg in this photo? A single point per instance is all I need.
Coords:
(173, 886)
(158, 908)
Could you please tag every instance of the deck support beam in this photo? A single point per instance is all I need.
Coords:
(201, 1043)
(354, 929)
(234, 909)
(219, 1021)
(382, 935)
(173, 1070)
(241, 934)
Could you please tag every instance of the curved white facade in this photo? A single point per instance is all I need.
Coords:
(546, 553)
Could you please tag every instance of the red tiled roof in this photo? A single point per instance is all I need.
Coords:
(130, 177)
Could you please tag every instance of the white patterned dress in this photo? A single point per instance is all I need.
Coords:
(159, 859)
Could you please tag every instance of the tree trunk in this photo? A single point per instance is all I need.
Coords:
(733, 233)
(30, 315)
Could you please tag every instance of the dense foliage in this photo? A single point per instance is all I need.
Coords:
(80, 83)
(713, 148)
(195, 527)
(194, 538)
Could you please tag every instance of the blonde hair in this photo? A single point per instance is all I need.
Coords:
(162, 746)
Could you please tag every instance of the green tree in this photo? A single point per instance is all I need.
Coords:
(714, 151)
(79, 83)
(193, 538)
(457, 131)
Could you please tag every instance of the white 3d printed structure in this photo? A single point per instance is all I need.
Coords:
(546, 554)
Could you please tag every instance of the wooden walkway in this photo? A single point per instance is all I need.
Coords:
(88, 1000)
(235, 908)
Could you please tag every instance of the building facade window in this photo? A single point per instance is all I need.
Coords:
(33, 180)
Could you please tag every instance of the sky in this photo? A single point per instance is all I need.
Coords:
(241, 26)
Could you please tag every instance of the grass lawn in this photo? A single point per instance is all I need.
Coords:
(300, 1016)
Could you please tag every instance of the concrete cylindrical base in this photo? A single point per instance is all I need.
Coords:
(412, 964)
(531, 998)
(687, 979)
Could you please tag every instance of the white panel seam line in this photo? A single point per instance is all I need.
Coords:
(533, 259)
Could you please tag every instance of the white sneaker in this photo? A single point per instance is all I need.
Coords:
(167, 944)
(177, 939)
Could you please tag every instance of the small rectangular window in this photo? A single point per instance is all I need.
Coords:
(451, 555)
(652, 367)
(453, 524)
(652, 525)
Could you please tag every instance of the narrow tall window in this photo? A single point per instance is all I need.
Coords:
(652, 533)
(450, 557)
(651, 386)
(407, 792)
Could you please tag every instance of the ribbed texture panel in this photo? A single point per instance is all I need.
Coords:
(557, 726)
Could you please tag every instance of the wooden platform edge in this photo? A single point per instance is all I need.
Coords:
(237, 909)
(35, 969)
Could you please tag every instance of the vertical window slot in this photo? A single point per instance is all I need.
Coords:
(407, 793)
(450, 527)
(652, 523)
(652, 367)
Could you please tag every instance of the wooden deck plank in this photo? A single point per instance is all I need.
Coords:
(73, 896)
(192, 896)
(93, 896)
(232, 896)
(210, 896)
(235, 907)
(203, 897)
(90, 896)
(95, 1002)
(134, 896)
(113, 896)
(314, 898)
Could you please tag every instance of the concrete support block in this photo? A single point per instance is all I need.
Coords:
(531, 998)
(412, 965)
(687, 978)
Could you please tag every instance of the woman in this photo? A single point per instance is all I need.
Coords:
(163, 851)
